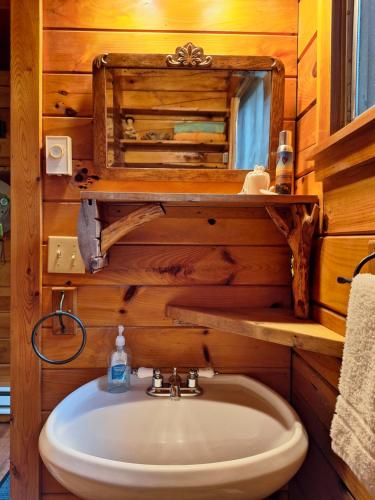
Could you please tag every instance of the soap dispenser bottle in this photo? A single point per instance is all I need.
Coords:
(284, 166)
(119, 365)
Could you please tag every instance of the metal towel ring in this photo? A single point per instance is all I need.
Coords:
(59, 313)
(358, 268)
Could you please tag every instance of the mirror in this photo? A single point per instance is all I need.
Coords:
(178, 112)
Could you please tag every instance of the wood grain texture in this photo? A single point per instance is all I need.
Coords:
(356, 151)
(253, 16)
(307, 23)
(331, 320)
(199, 199)
(336, 256)
(307, 79)
(140, 180)
(298, 227)
(145, 305)
(188, 265)
(26, 236)
(84, 46)
(307, 184)
(240, 241)
(303, 164)
(81, 132)
(317, 464)
(127, 223)
(324, 47)
(314, 400)
(179, 226)
(328, 367)
(306, 130)
(356, 217)
(180, 346)
(59, 496)
(271, 325)
(71, 95)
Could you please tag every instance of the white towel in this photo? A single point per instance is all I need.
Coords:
(353, 425)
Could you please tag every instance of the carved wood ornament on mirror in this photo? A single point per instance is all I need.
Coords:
(155, 114)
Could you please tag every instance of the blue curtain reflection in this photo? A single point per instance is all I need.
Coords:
(253, 122)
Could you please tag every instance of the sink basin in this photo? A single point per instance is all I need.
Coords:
(239, 440)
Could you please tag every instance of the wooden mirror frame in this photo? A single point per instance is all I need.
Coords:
(186, 57)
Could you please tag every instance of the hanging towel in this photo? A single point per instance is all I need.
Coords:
(353, 425)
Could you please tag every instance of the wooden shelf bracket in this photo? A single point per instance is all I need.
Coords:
(95, 241)
(298, 225)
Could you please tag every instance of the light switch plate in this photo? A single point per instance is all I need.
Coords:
(64, 255)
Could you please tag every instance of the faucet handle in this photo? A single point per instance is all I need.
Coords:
(192, 379)
(157, 379)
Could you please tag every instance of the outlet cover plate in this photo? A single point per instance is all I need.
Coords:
(64, 255)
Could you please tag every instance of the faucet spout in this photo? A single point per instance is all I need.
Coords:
(175, 385)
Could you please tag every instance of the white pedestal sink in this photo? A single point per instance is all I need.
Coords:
(239, 440)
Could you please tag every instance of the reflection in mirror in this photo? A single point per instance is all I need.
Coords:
(186, 118)
(253, 101)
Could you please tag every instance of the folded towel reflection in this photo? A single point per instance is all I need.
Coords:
(206, 372)
(353, 426)
(144, 372)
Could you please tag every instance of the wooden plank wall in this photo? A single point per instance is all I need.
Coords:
(347, 225)
(235, 259)
(4, 176)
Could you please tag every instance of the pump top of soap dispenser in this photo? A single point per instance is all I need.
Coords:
(120, 339)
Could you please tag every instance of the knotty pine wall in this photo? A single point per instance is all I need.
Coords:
(239, 260)
(347, 224)
(4, 176)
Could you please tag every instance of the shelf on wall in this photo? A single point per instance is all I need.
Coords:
(182, 165)
(172, 144)
(199, 199)
(174, 111)
(271, 325)
(295, 216)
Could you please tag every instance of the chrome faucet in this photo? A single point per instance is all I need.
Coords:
(175, 388)
(175, 385)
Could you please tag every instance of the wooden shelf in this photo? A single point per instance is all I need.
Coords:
(171, 144)
(181, 165)
(347, 148)
(174, 111)
(272, 325)
(200, 199)
(295, 216)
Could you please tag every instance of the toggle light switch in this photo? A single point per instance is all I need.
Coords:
(64, 255)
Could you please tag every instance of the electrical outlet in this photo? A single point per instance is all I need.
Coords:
(64, 255)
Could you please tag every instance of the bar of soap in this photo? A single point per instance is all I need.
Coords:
(207, 127)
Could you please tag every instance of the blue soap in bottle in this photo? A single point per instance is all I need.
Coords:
(119, 365)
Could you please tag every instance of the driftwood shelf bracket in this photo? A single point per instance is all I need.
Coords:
(95, 241)
(297, 224)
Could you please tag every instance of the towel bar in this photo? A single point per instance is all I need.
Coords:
(357, 270)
